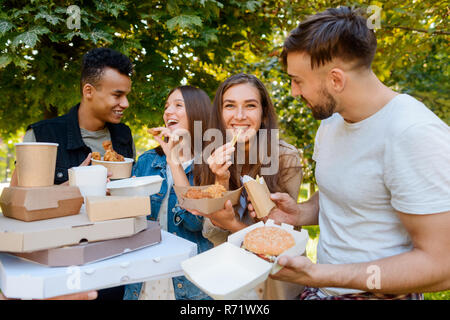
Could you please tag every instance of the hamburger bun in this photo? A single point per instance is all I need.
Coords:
(268, 241)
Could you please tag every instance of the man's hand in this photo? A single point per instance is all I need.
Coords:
(86, 161)
(89, 295)
(286, 210)
(298, 269)
(225, 219)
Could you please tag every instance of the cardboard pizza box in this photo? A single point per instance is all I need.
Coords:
(20, 236)
(96, 251)
(28, 280)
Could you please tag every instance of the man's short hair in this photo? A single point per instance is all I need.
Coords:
(334, 33)
(96, 60)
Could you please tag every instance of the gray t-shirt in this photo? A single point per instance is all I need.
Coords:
(92, 139)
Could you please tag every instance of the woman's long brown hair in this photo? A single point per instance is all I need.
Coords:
(268, 121)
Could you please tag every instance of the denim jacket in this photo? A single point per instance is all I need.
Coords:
(179, 222)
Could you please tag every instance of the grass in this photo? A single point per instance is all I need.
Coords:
(311, 249)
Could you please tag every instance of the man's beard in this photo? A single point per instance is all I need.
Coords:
(326, 108)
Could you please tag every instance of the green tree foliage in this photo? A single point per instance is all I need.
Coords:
(199, 42)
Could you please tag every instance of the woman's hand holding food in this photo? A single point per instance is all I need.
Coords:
(172, 151)
(225, 219)
(219, 162)
(174, 138)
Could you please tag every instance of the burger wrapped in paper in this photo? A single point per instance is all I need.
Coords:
(268, 242)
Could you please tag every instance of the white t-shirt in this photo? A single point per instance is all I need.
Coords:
(397, 159)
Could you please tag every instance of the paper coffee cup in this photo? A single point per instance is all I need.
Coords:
(91, 180)
(36, 163)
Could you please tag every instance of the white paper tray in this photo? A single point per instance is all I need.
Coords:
(227, 271)
(27, 280)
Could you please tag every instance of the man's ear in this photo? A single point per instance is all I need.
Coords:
(337, 79)
(88, 91)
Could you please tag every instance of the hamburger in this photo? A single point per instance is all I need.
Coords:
(268, 242)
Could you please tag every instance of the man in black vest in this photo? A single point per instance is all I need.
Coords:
(105, 84)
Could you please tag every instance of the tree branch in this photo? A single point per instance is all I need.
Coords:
(418, 30)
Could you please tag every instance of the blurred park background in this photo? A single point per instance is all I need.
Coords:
(200, 42)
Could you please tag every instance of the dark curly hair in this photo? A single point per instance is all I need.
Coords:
(96, 60)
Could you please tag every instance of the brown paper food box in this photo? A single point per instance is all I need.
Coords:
(96, 251)
(20, 236)
(205, 205)
(259, 195)
(40, 203)
(116, 207)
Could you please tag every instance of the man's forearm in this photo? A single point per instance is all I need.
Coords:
(309, 211)
(413, 271)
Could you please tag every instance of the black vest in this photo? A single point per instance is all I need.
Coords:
(72, 151)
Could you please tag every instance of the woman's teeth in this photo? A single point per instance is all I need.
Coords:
(171, 122)
(242, 128)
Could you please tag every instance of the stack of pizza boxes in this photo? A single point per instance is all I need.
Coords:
(230, 271)
(51, 226)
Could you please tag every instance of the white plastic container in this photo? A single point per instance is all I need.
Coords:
(227, 271)
(139, 186)
(90, 179)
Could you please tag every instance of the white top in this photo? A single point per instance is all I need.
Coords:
(162, 216)
(397, 159)
(162, 289)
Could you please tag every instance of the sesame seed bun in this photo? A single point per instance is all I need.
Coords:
(270, 241)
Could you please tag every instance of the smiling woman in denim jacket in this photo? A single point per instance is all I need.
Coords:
(174, 163)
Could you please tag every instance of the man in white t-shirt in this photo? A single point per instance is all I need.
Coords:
(382, 168)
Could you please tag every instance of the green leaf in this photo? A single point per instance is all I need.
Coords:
(28, 38)
(110, 7)
(183, 21)
(97, 35)
(70, 35)
(4, 60)
(252, 6)
(22, 63)
(53, 20)
(39, 30)
(5, 26)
